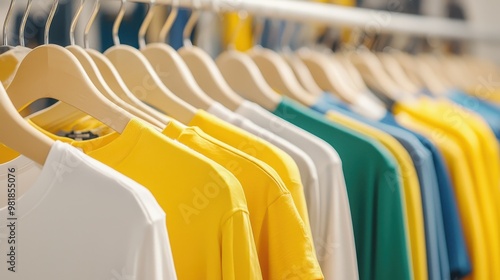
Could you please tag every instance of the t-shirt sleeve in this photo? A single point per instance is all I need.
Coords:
(155, 261)
(288, 247)
(239, 255)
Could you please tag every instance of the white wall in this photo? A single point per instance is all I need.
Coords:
(485, 13)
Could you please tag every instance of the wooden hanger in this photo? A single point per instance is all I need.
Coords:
(95, 76)
(355, 76)
(457, 71)
(302, 74)
(115, 82)
(395, 70)
(482, 67)
(58, 114)
(280, 76)
(61, 112)
(9, 61)
(111, 76)
(358, 82)
(373, 73)
(278, 73)
(17, 134)
(408, 65)
(203, 67)
(209, 77)
(330, 74)
(142, 80)
(10, 57)
(327, 74)
(432, 79)
(50, 71)
(171, 68)
(243, 75)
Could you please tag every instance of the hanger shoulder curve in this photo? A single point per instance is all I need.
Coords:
(19, 135)
(175, 74)
(373, 72)
(209, 77)
(302, 74)
(56, 73)
(115, 82)
(244, 77)
(326, 75)
(395, 70)
(279, 75)
(144, 83)
(98, 80)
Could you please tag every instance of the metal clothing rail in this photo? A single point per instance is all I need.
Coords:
(334, 15)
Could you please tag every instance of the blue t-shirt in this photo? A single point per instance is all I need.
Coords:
(459, 262)
(489, 112)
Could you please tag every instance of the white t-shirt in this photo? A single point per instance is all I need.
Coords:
(307, 169)
(75, 218)
(334, 239)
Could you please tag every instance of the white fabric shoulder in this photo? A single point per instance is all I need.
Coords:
(80, 219)
(305, 164)
(332, 230)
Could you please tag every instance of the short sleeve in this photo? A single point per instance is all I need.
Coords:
(290, 253)
(155, 261)
(239, 256)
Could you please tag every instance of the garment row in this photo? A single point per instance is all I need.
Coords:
(242, 201)
(145, 175)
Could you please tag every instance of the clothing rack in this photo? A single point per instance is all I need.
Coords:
(334, 15)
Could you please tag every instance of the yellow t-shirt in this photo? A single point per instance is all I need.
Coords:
(86, 123)
(280, 234)
(487, 139)
(252, 145)
(7, 154)
(413, 198)
(467, 200)
(207, 215)
(233, 23)
(494, 97)
(452, 120)
(485, 92)
(82, 124)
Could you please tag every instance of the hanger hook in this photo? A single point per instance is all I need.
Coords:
(92, 18)
(6, 22)
(193, 18)
(145, 23)
(22, 27)
(169, 22)
(52, 13)
(117, 23)
(74, 22)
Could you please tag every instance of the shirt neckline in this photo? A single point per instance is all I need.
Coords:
(118, 145)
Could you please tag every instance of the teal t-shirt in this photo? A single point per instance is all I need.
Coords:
(374, 189)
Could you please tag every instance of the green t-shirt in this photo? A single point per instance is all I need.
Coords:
(375, 194)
